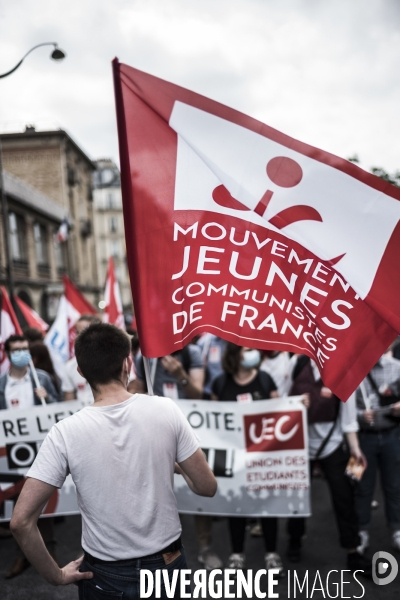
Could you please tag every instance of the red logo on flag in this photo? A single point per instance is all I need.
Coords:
(273, 431)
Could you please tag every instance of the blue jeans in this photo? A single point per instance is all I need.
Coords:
(382, 450)
(122, 579)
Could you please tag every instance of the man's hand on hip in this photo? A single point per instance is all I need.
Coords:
(71, 574)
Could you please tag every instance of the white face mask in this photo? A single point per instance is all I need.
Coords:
(251, 359)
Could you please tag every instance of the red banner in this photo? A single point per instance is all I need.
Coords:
(236, 229)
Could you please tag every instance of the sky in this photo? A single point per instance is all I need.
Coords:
(325, 72)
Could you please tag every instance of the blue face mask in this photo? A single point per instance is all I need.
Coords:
(20, 358)
(251, 359)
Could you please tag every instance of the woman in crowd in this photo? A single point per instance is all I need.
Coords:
(244, 382)
(42, 360)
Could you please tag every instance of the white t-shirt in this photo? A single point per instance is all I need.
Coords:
(19, 392)
(121, 459)
(74, 382)
(280, 369)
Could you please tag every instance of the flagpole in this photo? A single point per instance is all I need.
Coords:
(148, 376)
(6, 233)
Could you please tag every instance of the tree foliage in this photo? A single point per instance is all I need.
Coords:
(394, 178)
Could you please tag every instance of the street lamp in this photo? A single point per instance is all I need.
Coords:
(57, 54)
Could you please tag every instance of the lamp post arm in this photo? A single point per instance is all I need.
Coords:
(23, 58)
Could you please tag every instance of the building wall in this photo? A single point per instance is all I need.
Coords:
(38, 162)
(52, 163)
(110, 239)
(40, 281)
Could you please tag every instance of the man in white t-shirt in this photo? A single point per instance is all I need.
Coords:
(121, 452)
(74, 386)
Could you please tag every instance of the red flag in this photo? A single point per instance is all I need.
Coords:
(113, 312)
(240, 230)
(31, 316)
(9, 326)
(77, 305)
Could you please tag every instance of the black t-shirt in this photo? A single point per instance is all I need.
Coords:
(226, 389)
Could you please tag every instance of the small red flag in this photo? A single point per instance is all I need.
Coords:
(113, 312)
(77, 305)
(9, 326)
(31, 317)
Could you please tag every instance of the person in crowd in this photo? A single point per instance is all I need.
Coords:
(33, 335)
(244, 382)
(212, 348)
(395, 349)
(134, 342)
(278, 365)
(74, 386)
(330, 422)
(125, 482)
(181, 376)
(18, 390)
(17, 387)
(378, 410)
(42, 360)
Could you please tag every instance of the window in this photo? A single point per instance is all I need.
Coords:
(115, 248)
(113, 224)
(60, 250)
(40, 236)
(110, 201)
(119, 273)
(17, 237)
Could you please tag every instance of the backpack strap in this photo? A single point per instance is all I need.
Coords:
(330, 432)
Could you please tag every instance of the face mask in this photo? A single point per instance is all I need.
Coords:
(20, 358)
(251, 359)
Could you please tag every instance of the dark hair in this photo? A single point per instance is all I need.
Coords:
(33, 334)
(92, 319)
(231, 358)
(42, 360)
(135, 344)
(13, 338)
(133, 334)
(100, 351)
(41, 357)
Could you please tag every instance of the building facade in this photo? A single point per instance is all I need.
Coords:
(38, 262)
(109, 227)
(56, 167)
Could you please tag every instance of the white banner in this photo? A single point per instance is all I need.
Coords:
(257, 450)
(21, 434)
(259, 454)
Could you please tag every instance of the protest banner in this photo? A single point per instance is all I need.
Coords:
(257, 450)
(259, 453)
(21, 434)
(236, 229)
